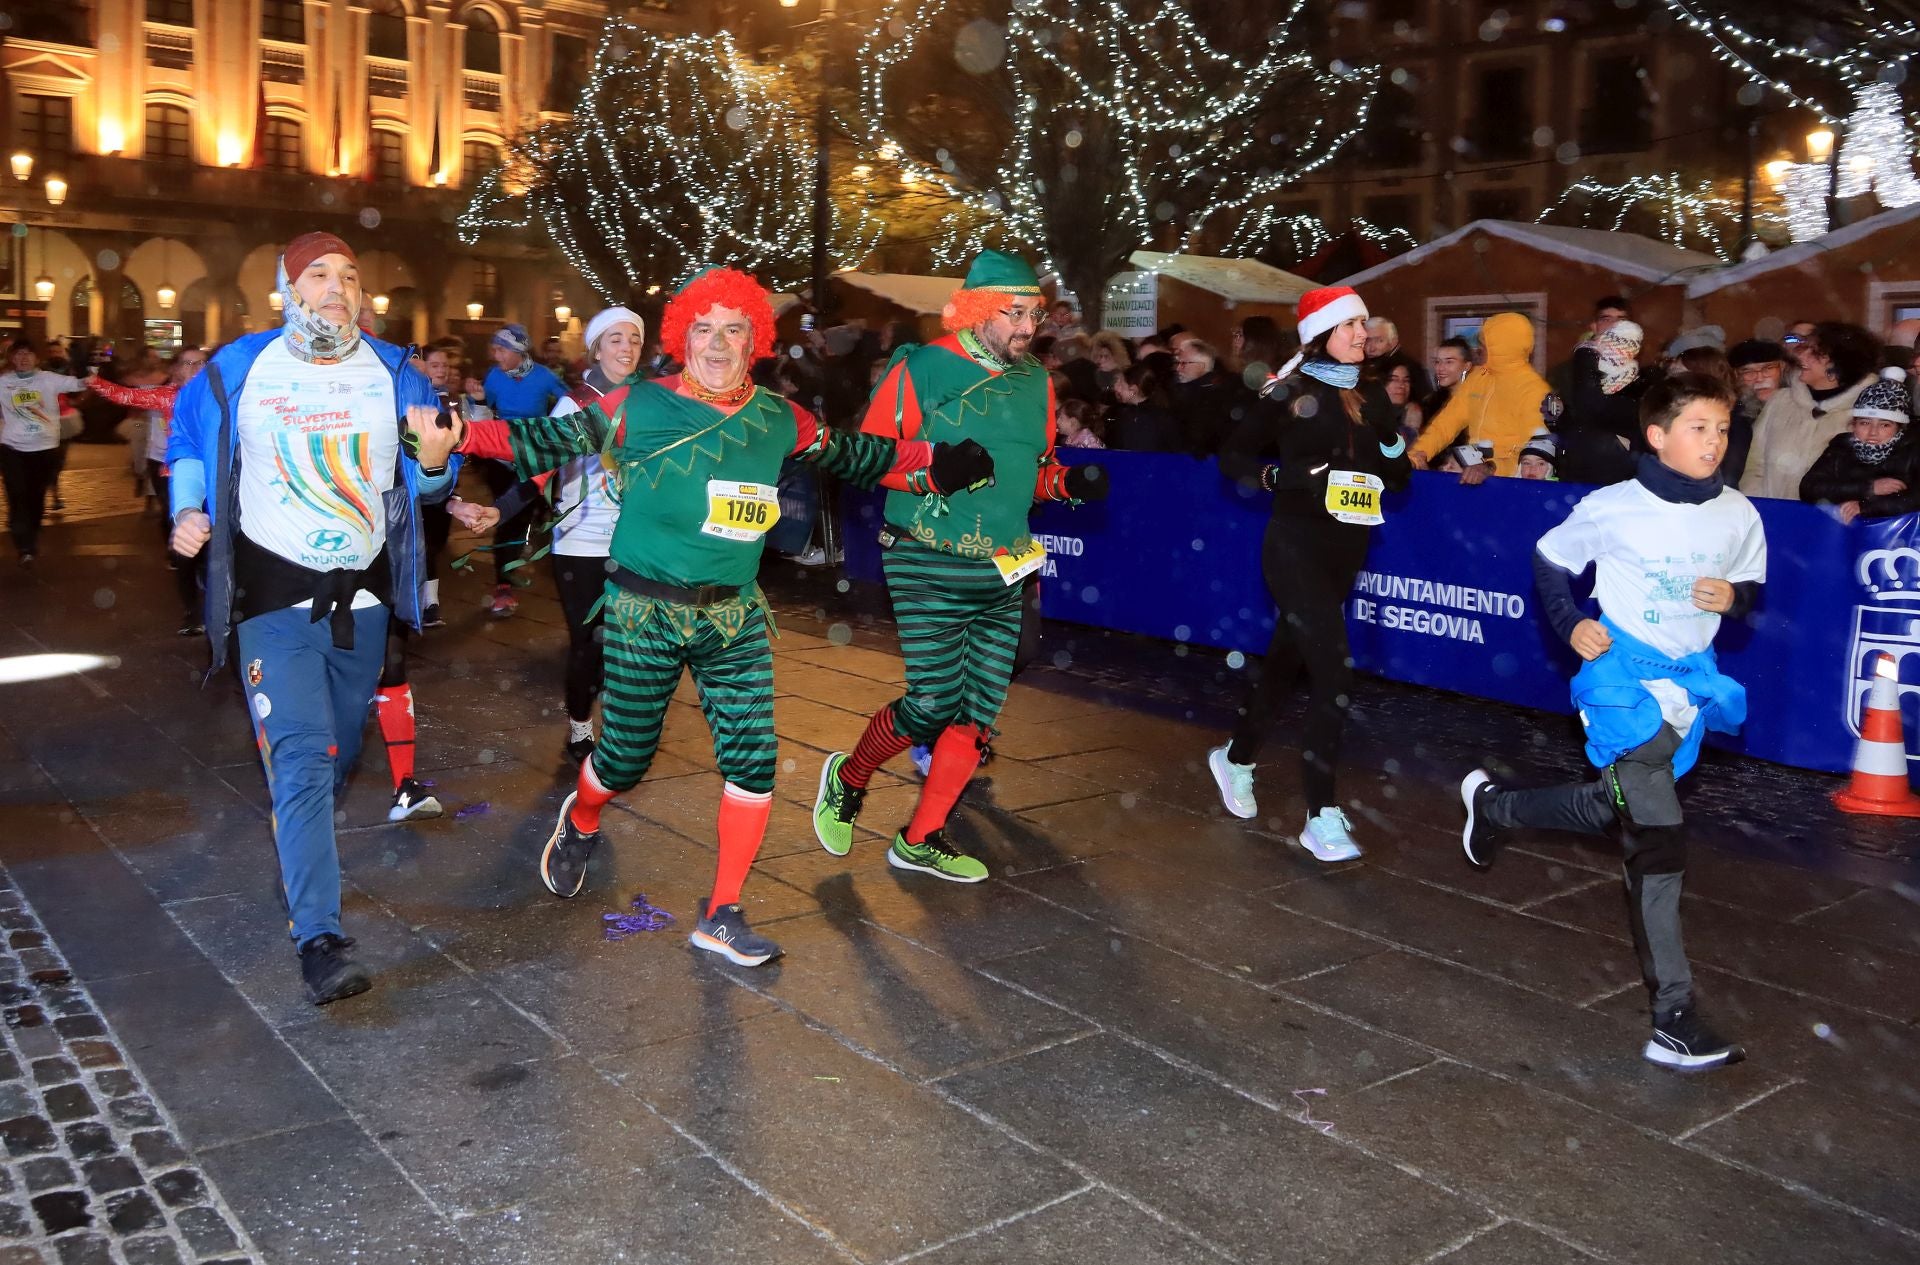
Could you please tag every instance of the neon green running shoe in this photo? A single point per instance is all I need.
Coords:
(836, 807)
(938, 857)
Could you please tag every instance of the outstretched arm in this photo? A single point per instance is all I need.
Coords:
(536, 445)
(160, 398)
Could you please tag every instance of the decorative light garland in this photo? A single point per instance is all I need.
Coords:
(1686, 213)
(1189, 122)
(682, 153)
(1877, 153)
(1804, 187)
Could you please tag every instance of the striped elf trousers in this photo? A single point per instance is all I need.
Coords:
(959, 626)
(648, 643)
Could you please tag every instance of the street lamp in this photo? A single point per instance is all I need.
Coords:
(562, 314)
(274, 300)
(43, 288)
(1819, 145)
(166, 295)
(476, 310)
(56, 191)
(380, 304)
(22, 166)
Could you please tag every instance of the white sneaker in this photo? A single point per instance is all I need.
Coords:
(1235, 782)
(1329, 836)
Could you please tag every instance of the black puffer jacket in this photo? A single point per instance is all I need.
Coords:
(1839, 476)
(1303, 426)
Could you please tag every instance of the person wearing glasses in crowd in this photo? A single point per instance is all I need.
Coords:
(157, 402)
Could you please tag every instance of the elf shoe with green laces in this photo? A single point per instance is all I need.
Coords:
(936, 856)
(836, 807)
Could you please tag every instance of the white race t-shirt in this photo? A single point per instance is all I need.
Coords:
(30, 408)
(158, 423)
(318, 446)
(1646, 554)
(587, 532)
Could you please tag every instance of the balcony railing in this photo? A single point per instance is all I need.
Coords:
(482, 91)
(283, 63)
(386, 77)
(170, 46)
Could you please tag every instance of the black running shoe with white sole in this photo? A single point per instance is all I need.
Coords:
(725, 931)
(1681, 1039)
(563, 862)
(413, 802)
(330, 974)
(578, 749)
(1479, 838)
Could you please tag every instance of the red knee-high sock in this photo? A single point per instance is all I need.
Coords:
(589, 797)
(880, 743)
(743, 824)
(956, 757)
(394, 705)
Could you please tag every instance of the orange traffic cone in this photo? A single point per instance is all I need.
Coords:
(1880, 761)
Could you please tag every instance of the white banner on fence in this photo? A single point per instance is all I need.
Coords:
(1132, 304)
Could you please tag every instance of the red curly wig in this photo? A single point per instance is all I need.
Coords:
(968, 308)
(718, 287)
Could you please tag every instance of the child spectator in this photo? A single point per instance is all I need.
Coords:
(1872, 471)
(1076, 421)
(1538, 458)
(1673, 551)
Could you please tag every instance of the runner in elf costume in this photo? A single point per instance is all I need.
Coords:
(954, 563)
(697, 457)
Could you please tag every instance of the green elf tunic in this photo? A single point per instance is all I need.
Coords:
(697, 497)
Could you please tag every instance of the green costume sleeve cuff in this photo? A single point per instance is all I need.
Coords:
(857, 457)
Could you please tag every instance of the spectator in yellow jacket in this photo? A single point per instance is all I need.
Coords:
(1500, 403)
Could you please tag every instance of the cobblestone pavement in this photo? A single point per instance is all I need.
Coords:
(1156, 1035)
(94, 1170)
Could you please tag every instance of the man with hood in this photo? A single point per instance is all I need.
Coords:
(298, 461)
(1502, 403)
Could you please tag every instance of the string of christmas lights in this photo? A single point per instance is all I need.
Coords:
(1687, 215)
(683, 153)
(1877, 153)
(1268, 229)
(1876, 42)
(1188, 128)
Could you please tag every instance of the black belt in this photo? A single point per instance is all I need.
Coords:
(705, 595)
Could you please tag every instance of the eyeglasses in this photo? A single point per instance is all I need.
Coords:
(1793, 340)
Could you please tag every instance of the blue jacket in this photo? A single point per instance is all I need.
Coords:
(203, 456)
(1621, 714)
(532, 395)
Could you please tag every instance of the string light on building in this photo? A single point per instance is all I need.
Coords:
(1877, 152)
(1803, 186)
(682, 153)
(1269, 231)
(1688, 215)
(1186, 129)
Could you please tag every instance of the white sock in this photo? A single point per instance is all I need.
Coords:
(578, 730)
(430, 593)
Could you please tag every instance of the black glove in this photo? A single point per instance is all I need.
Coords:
(1087, 483)
(960, 467)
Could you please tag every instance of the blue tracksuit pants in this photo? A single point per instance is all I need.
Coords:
(309, 703)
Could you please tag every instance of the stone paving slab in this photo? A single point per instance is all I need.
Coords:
(1108, 1051)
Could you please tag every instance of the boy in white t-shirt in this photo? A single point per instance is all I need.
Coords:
(1674, 549)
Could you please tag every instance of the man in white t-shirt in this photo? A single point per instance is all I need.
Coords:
(29, 442)
(1673, 550)
(298, 460)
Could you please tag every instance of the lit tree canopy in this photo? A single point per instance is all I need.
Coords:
(1815, 53)
(1697, 214)
(1082, 130)
(682, 153)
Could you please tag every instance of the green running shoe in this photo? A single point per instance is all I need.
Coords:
(938, 857)
(836, 807)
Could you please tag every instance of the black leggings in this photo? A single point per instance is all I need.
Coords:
(435, 526)
(27, 476)
(1310, 564)
(186, 571)
(580, 581)
(1029, 648)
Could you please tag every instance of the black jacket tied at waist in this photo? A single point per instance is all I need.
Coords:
(265, 582)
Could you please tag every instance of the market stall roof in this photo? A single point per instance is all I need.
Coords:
(1236, 280)
(1629, 254)
(922, 295)
(1801, 252)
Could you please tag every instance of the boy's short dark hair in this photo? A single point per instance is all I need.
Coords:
(1668, 397)
(1611, 300)
(22, 344)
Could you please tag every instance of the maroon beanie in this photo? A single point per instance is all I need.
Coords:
(308, 247)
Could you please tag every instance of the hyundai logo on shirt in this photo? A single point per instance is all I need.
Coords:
(329, 540)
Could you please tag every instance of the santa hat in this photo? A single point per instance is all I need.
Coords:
(1320, 310)
(1886, 399)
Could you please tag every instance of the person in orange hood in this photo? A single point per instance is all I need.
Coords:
(1501, 403)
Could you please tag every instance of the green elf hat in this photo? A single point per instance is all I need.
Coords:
(1001, 273)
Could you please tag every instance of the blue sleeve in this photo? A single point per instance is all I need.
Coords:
(1554, 584)
(194, 429)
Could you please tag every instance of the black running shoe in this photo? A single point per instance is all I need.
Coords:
(430, 617)
(579, 749)
(726, 932)
(330, 974)
(412, 802)
(190, 626)
(1479, 840)
(1682, 1039)
(563, 862)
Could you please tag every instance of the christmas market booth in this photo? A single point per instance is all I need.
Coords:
(1867, 273)
(879, 298)
(1552, 273)
(1204, 293)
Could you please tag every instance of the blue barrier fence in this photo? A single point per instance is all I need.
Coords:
(1447, 597)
